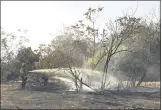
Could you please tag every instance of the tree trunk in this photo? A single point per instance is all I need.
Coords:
(76, 85)
(105, 73)
(141, 79)
(133, 83)
(118, 87)
(80, 84)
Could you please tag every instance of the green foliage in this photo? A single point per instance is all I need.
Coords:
(146, 51)
(10, 44)
(93, 60)
(28, 57)
(90, 13)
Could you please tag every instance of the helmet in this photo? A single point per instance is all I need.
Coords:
(23, 64)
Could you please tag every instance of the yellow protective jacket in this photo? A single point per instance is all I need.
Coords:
(23, 71)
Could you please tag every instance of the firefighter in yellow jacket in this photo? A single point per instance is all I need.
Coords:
(23, 75)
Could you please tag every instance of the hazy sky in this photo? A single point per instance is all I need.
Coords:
(41, 18)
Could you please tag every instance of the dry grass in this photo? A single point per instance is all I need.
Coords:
(8, 85)
(24, 99)
(151, 84)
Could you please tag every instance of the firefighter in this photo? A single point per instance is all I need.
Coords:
(23, 75)
(45, 79)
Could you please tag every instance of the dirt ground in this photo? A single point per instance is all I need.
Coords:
(12, 97)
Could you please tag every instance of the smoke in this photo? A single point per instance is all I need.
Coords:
(93, 78)
(153, 73)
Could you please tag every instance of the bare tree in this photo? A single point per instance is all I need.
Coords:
(123, 29)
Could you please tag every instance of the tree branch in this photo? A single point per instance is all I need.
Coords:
(122, 51)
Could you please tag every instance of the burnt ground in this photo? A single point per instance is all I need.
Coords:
(54, 97)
